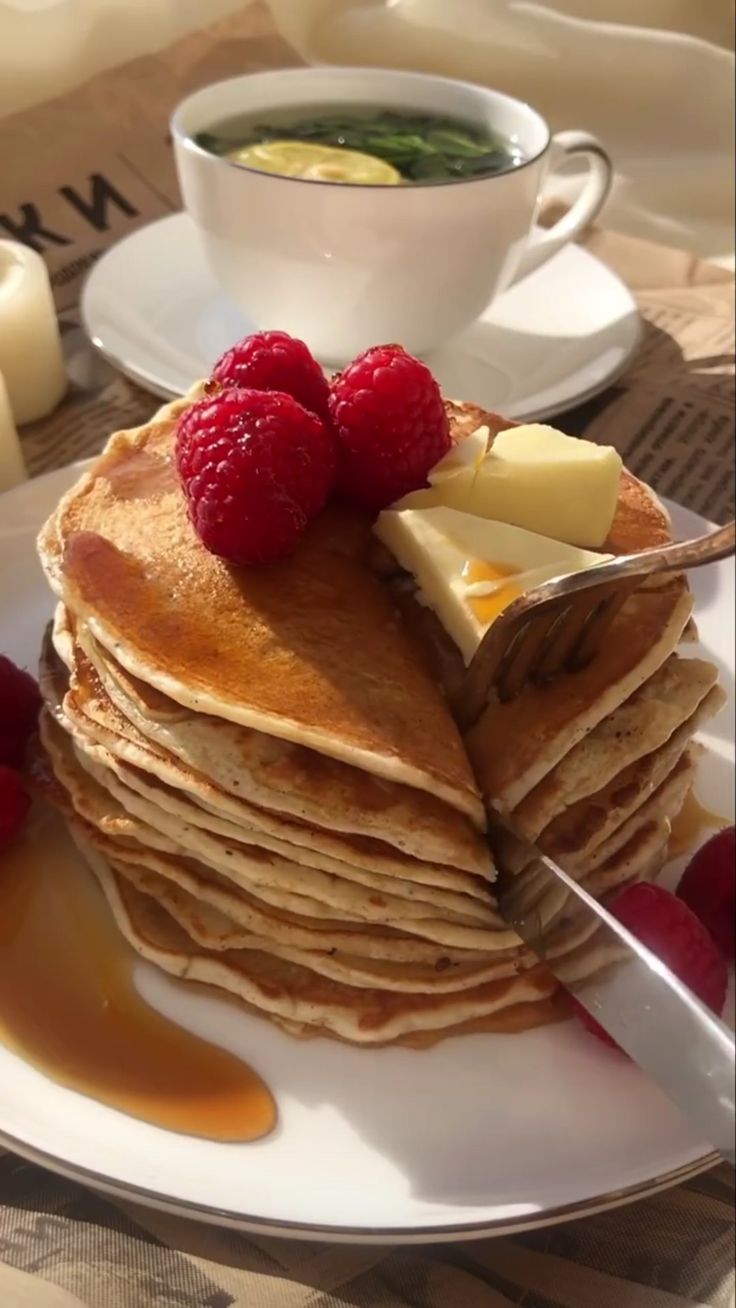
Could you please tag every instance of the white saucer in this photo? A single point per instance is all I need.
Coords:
(154, 310)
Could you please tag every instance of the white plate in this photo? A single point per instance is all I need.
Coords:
(153, 308)
(482, 1134)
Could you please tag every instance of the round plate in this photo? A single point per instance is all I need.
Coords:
(153, 308)
(480, 1135)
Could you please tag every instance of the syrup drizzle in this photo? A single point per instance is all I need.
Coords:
(68, 1004)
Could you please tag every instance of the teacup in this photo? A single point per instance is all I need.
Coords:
(348, 266)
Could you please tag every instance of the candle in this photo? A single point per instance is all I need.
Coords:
(12, 467)
(30, 347)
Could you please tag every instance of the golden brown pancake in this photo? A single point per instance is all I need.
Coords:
(274, 786)
(260, 766)
(289, 992)
(274, 879)
(582, 827)
(309, 650)
(639, 726)
(514, 745)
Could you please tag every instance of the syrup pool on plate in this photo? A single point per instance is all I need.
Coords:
(693, 824)
(69, 1005)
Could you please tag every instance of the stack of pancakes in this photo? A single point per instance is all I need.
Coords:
(261, 769)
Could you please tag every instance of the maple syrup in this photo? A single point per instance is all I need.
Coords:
(68, 1003)
(691, 825)
(487, 607)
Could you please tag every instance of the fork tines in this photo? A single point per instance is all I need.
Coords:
(536, 638)
(560, 625)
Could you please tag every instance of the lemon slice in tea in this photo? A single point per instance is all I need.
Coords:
(316, 163)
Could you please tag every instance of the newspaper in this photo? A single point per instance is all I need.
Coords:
(71, 192)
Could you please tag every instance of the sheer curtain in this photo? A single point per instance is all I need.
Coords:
(653, 78)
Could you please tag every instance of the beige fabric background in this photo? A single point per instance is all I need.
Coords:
(653, 78)
(64, 1247)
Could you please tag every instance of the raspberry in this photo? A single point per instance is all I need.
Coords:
(20, 702)
(255, 467)
(708, 887)
(275, 361)
(14, 804)
(12, 749)
(672, 931)
(390, 423)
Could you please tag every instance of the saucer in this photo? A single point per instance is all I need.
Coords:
(154, 310)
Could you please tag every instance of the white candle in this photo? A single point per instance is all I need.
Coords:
(30, 347)
(12, 467)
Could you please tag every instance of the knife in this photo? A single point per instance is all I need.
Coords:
(643, 1006)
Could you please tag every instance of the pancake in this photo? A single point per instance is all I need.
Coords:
(640, 854)
(663, 806)
(193, 828)
(308, 650)
(268, 884)
(544, 722)
(314, 934)
(260, 767)
(584, 826)
(190, 826)
(373, 866)
(274, 879)
(295, 994)
(639, 726)
(216, 931)
(270, 785)
(640, 857)
(228, 848)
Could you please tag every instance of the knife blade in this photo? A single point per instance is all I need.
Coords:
(642, 1005)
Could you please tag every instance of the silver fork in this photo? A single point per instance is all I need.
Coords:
(561, 624)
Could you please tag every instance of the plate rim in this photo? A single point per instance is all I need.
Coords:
(327, 1232)
(145, 379)
(287, 1229)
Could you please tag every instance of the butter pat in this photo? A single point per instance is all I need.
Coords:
(537, 478)
(468, 569)
(451, 480)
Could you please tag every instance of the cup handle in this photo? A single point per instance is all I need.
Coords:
(544, 242)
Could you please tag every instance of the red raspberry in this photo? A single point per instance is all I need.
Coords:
(275, 361)
(672, 931)
(255, 467)
(14, 804)
(20, 702)
(390, 423)
(708, 887)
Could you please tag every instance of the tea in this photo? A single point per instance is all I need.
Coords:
(363, 145)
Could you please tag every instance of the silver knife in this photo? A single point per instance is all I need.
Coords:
(657, 1020)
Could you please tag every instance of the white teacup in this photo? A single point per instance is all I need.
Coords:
(347, 266)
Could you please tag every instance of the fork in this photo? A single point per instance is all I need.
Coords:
(560, 625)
